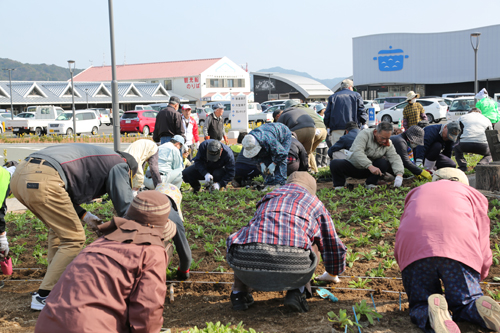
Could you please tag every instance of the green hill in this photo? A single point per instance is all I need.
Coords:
(29, 72)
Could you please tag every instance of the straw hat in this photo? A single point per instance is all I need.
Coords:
(411, 95)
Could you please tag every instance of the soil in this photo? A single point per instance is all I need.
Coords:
(198, 303)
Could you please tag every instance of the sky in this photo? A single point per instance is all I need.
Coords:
(312, 36)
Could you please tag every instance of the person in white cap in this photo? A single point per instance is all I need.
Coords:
(170, 163)
(191, 128)
(269, 145)
(446, 244)
(488, 107)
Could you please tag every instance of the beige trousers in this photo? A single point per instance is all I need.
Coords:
(317, 140)
(306, 137)
(335, 135)
(40, 188)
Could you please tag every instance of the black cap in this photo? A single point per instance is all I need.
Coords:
(174, 100)
(276, 113)
(214, 148)
(351, 125)
(131, 161)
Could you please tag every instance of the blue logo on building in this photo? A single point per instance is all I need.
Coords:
(390, 60)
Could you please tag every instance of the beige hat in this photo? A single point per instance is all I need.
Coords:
(451, 174)
(304, 179)
(411, 95)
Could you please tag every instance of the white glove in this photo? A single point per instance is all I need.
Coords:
(271, 168)
(263, 168)
(134, 193)
(419, 163)
(328, 131)
(197, 144)
(318, 132)
(398, 181)
(328, 277)
(365, 126)
(91, 220)
(208, 178)
(4, 246)
(216, 186)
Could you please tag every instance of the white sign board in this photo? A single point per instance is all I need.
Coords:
(239, 112)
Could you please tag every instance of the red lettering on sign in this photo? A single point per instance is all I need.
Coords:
(196, 79)
(190, 79)
(197, 86)
(185, 80)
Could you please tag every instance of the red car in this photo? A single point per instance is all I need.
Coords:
(142, 121)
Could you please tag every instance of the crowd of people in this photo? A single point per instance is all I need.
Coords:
(117, 283)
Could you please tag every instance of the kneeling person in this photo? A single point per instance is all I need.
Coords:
(264, 260)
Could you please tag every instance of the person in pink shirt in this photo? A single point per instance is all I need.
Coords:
(444, 236)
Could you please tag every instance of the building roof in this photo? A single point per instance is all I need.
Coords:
(308, 87)
(147, 71)
(57, 92)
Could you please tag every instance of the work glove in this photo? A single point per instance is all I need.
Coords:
(365, 126)
(208, 178)
(216, 186)
(328, 131)
(197, 144)
(328, 277)
(419, 163)
(398, 181)
(263, 168)
(318, 132)
(10, 164)
(91, 221)
(426, 174)
(4, 247)
(134, 193)
(181, 276)
(271, 168)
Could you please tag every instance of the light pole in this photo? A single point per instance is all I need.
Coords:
(10, 86)
(114, 83)
(269, 86)
(87, 94)
(72, 62)
(474, 41)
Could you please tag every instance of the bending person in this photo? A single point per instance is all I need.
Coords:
(170, 163)
(144, 151)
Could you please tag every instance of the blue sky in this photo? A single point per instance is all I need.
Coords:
(310, 36)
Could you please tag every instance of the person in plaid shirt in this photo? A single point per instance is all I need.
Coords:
(414, 111)
(280, 247)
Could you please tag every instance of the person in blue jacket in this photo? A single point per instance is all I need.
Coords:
(269, 144)
(438, 145)
(344, 106)
(213, 162)
(337, 151)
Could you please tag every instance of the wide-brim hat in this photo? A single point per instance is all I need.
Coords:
(451, 174)
(411, 95)
(251, 147)
(415, 134)
(173, 193)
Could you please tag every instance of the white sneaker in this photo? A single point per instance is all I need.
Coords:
(489, 310)
(439, 316)
(37, 302)
(327, 277)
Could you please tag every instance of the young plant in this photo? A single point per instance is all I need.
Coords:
(221, 243)
(195, 265)
(193, 246)
(351, 257)
(375, 232)
(362, 241)
(363, 309)
(360, 284)
(389, 262)
(18, 249)
(209, 248)
(342, 319)
(368, 256)
(376, 272)
(495, 295)
(496, 255)
(210, 237)
(219, 256)
(220, 269)
(199, 232)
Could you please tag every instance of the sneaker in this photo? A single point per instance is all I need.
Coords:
(241, 301)
(489, 310)
(439, 316)
(296, 301)
(37, 302)
(370, 186)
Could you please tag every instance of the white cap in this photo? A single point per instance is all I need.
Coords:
(251, 146)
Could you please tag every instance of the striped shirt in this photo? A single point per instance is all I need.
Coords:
(291, 216)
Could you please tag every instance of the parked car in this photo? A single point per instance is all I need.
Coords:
(273, 108)
(25, 115)
(120, 113)
(457, 95)
(278, 101)
(6, 115)
(87, 121)
(380, 101)
(391, 101)
(459, 107)
(158, 106)
(435, 109)
(38, 123)
(202, 113)
(371, 104)
(143, 107)
(142, 121)
(103, 115)
(445, 99)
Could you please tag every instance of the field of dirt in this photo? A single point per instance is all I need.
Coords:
(205, 297)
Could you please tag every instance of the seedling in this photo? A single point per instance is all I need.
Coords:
(375, 232)
(220, 269)
(199, 232)
(219, 256)
(221, 243)
(368, 256)
(359, 284)
(495, 295)
(342, 319)
(376, 272)
(364, 309)
(389, 262)
(195, 264)
(210, 237)
(351, 258)
(209, 248)
(18, 248)
(496, 255)
(193, 246)
(362, 241)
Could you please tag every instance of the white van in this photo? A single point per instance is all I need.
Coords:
(87, 121)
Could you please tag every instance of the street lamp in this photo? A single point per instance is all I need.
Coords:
(10, 86)
(72, 62)
(87, 93)
(474, 41)
(270, 85)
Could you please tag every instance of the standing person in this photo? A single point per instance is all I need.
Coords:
(488, 107)
(340, 150)
(191, 129)
(344, 106)
(297, 157)
(438, 145)
(372, 155)
(143, 151)
(473, 138)
(322, 158)
(405, 143)
(213, 162)
(269, 145)
(54, 181)
(446, 244)
(414, 112)
(298, 120)
(117, 284)
(279, 249)
(214, 125)
(169, 122)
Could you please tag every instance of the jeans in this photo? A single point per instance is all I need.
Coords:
(165, 139)
(322, 157)
(192, 176)
(434, 154)
(474, 148)
(341, 169)
(279, 176)
(245, 171)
